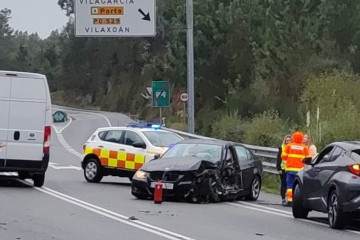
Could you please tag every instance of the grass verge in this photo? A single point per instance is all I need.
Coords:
(271, 183)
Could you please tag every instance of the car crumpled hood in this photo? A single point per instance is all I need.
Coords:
(173, 164)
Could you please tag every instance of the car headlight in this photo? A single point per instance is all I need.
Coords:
(141, 175)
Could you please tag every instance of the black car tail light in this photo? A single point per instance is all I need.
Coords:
(355, 169)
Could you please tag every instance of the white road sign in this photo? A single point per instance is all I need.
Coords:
(184, 97)
(115, 18)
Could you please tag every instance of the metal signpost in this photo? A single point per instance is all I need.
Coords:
(190, 65)
(184, 97)
(115, 18)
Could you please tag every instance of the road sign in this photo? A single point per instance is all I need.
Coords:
(60, 116)
(160, 94)
(184, 97)
(115, 18)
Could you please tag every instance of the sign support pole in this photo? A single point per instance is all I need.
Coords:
(190, 64)
(160, 115)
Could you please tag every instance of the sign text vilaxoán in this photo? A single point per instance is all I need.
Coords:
(115, 18)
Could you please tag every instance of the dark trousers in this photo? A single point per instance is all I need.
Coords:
(283, 184)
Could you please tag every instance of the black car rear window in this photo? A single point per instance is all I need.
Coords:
(355, 154)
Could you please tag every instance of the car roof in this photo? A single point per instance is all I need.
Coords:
(348, 145)
(131, 128)
(205, 141)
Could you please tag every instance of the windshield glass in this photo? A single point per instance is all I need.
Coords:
(162, 139)
(209, 152)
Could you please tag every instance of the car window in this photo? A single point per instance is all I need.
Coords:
(161, 138)
(102, 135)
(113, 136)
(355, 154)
(250, 155)
(335, 154)
(209, 152)
(324, 155)
(131, 137)
(241, 153)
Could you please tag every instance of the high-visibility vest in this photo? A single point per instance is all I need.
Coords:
(283, 162)
(293, 154)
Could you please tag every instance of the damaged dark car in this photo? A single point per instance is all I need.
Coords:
(200, 171)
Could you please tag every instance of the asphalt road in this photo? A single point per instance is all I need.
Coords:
(69, 208)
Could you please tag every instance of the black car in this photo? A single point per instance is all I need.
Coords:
(198, 170)
(330, 184)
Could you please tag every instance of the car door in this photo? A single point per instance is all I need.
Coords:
(311, 182)
(110, 148)
(231, 172)
(4, 116)
(135, 156)
(246, 163)
(325, 169)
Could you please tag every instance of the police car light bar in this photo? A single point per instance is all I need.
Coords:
(144, 125)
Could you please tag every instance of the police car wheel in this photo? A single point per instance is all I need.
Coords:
(93, 171)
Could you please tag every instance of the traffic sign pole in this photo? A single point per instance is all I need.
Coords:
(190, 64)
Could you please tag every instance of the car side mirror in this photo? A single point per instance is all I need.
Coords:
(139, 145)
(157, 156)
(307, 161)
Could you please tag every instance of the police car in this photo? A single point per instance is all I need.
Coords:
(120, 151)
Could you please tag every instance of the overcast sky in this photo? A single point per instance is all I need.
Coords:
(41, 16)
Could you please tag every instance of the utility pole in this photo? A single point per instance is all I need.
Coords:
(190, 65)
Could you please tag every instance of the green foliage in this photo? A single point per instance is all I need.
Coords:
(266, 129)
(229, 127)
(250, 56)
(336, 95)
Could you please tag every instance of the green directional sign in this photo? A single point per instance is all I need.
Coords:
(160, 94)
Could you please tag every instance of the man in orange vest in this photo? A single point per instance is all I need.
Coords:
(293, 154)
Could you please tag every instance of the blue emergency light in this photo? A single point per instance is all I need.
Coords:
(144, 125)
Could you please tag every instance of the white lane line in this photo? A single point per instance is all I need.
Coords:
(106, 118)
(264, 207)
(115, 216)
(59, 167)
(62, 129)
(281, 213)
(260, 210)
(67, 146)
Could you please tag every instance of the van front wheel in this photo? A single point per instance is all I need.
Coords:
(39, 179)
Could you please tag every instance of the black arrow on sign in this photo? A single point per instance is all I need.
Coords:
(146, 16)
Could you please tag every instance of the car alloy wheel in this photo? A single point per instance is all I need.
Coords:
(255, 189)
(335, 216)
(93, 171)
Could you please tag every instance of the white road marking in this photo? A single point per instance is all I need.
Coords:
(58, 167)
(280, 213)
(115, 216)
(66, 145)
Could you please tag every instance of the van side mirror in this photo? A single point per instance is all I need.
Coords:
(139, 145)
(307, 161)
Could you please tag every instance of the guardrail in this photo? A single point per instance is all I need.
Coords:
(265, 154)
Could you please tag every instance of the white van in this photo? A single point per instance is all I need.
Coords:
(25, 124)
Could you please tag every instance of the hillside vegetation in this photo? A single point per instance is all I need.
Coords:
(260, 66)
